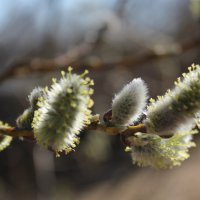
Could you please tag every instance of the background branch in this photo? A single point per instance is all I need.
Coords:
(77, 55)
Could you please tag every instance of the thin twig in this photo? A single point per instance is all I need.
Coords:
(111, 130)
(29, 134)
(17, 133)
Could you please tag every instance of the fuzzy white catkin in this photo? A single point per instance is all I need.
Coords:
(129, 103)
(5, 140)
(25, 119)
(177, 108)
(63, 112)
(155, 151)
(176, 114)
(152, 150)
(37, 93)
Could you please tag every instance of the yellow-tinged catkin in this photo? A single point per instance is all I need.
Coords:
(161, 153)
(4, 139)
(24, 121)
(64, 112)
(175, 114)
(177, 107)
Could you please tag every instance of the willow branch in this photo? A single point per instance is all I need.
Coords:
(17, 133)
(94, 126)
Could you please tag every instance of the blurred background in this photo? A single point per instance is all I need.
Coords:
(117, 41)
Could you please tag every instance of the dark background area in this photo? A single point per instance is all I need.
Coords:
(117, 41)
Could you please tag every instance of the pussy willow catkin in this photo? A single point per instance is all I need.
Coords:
(4, 139)
(63, 112)
(177, 107)
(128, 104)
